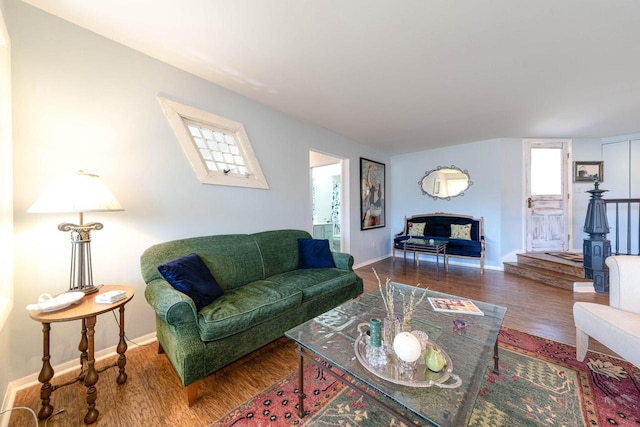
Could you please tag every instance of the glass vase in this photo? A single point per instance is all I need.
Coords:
(391, 327)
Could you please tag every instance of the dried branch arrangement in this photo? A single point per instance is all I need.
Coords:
(408, 305)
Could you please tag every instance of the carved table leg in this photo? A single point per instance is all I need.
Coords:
(46, 373)
(121, 349)
(82, 348)
(91, 376)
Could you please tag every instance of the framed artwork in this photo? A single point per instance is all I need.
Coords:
(588, 171)
(372, 197)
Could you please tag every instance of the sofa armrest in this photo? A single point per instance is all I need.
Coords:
(624, 292)
(172, 306)
(343, 260)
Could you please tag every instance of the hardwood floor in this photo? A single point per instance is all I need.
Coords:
(152, 395)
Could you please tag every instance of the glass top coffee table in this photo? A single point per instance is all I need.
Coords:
(418, 244)
(331, 336)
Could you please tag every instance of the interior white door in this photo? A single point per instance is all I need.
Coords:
(547, 195)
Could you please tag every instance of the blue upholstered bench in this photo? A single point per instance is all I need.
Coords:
(464, 234)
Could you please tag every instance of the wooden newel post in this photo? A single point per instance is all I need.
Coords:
(597, 248)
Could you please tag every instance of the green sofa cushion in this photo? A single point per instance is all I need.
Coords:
(242, 308)
(315, 281)
(279, 250)
(233, 259)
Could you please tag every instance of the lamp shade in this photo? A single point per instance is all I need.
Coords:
(76, 192)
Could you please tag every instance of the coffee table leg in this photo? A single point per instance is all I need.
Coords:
(301, 412)
(496, 359)
(46, 373)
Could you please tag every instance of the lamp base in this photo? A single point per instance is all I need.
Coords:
(87, 291)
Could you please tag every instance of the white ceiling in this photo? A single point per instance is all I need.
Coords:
(401, 75)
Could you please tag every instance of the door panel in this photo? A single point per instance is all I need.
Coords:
(547, 192)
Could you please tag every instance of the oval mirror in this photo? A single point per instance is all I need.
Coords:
(445, 182)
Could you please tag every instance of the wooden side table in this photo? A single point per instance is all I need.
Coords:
(86, 310)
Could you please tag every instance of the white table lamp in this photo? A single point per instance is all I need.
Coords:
(78, 192)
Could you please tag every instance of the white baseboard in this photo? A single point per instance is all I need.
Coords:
(30, 380)
(452, 261)
(371, 261)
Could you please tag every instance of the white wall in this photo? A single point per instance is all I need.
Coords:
(6, 200)
(84, 102)
(584, 150)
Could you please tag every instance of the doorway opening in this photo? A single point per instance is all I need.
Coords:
(328, 178)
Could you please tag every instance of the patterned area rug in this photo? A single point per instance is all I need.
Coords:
(569, 256)
(540, 383)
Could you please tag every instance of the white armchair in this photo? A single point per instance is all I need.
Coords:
(616, 325)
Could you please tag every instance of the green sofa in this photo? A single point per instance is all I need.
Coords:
(265, 293)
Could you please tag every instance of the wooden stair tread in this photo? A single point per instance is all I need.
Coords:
(552, 263)
(551, 258)
(548, 270)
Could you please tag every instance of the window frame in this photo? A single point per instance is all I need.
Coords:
(179, 115)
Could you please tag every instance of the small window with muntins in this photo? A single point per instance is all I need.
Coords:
(218, 148)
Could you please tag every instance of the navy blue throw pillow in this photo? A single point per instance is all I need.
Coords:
(191, 276)
(315, 253)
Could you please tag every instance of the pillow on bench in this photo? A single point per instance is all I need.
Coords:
(461, 231)
(416, 228)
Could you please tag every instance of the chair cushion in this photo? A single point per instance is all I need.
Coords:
(245, 307)
(189, 275)
(315, 253)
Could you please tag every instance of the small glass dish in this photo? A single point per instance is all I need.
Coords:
(460, 324)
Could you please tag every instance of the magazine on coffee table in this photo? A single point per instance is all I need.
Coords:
(454, 305)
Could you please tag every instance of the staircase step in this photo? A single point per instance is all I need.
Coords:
(553, 263)
(544, 275)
